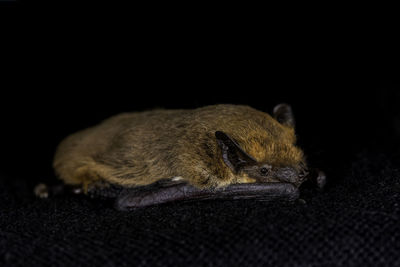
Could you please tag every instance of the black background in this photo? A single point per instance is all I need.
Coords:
(345, 99)
(69, 68)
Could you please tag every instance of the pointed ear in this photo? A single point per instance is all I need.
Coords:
(234, 156)
(283, 114)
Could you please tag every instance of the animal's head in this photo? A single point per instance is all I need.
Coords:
(269, 154)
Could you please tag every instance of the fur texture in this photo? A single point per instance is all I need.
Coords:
(133, 149)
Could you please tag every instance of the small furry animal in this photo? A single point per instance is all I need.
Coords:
(157, 156)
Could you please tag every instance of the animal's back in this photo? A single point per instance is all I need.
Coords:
(142, 147)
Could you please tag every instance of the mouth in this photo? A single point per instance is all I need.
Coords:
(303, 175)
(314, 177)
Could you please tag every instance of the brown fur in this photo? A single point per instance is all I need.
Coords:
(140, 148)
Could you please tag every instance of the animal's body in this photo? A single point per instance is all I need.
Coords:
(140, 148)
(208, 148)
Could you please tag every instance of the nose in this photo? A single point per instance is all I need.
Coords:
(287, 174)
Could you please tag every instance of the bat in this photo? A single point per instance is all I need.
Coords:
(159, 156)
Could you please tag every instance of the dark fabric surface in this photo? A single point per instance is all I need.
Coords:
(354, 222)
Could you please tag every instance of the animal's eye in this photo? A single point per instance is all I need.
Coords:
(264, 171)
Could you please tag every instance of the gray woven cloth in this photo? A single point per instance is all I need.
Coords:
(355, 222)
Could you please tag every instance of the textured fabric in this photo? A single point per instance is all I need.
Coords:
(354, 222)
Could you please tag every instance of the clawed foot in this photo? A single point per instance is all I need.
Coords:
(318, 178)
(44, 191)
(321, 180)
(41, 191)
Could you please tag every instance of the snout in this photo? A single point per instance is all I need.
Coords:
(289, 175)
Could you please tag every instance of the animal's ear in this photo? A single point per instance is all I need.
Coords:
(234, 156)
(283, 114)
